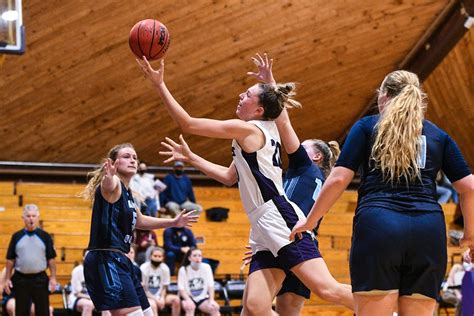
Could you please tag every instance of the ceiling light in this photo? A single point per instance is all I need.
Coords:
(10, 15)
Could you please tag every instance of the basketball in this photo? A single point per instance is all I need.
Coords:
(149, 38)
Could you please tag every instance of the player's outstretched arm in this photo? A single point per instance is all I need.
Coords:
(182, 152)
(110, 185)
(264, 74)
(227, 129)
(465, 189)
(290, 140)
(184, 219)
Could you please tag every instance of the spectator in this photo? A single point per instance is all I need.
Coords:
(79, 300)
(451, 292)
(196, 285)
(177, 242)
(144, 239)
(445, 190)
(179, 193)
(156, 279)
(29, 253)
(148, 189)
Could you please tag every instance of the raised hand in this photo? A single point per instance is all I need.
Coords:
(177, 152)
(155, 76)
(186, 219)
(110, 168)
(264, 66)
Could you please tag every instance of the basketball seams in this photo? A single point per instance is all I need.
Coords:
(166, 40)
(152, 39)
(146, 44)
(138, 38)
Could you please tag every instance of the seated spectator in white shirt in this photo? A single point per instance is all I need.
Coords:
(156, 279)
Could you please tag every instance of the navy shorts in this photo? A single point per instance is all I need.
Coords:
(292, 284)
(111, 281)
(289, 256)
(404, 251)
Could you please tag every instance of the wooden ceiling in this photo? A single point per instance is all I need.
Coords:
(77, 90)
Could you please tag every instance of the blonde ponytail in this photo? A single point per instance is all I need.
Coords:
(330, 152)
(397, 143)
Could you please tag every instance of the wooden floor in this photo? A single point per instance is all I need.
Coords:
(66, 216)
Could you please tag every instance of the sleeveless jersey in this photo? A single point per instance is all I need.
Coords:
(112, 225)
(259, 173)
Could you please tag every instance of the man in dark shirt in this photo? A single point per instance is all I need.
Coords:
(30, 252)
(179, 193)
(177, 242)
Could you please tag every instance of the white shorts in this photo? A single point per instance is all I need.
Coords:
(270, 224)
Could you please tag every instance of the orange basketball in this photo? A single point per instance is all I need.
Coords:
(149, 38)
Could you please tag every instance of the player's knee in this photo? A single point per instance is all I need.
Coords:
(87, 307)
(329, 293)
(254, 306)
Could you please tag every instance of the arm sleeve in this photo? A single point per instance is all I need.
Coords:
(299, 159)
(50, 251)
(454, 165)
(354, 147)
(11, 255)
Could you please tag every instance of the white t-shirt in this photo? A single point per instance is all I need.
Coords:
(147, 186)
(196, 282)
(154, 279)
(78, 285)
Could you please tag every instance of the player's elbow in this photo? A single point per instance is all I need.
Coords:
(465, 186)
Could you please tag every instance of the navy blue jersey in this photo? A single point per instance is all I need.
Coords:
(112, 224)
(303, 180)
(438, 151)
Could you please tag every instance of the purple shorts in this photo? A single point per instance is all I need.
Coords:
(289, 256)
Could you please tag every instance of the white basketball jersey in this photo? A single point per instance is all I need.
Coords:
(259, 173)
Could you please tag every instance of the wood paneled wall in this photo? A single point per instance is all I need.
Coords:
(77, 90)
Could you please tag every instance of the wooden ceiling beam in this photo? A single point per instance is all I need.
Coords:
(439, 39)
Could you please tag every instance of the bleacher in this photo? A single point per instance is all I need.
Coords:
(66, 216)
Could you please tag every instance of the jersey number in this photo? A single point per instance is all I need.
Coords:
(422, 156)
(277, 153)
(317, 189)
